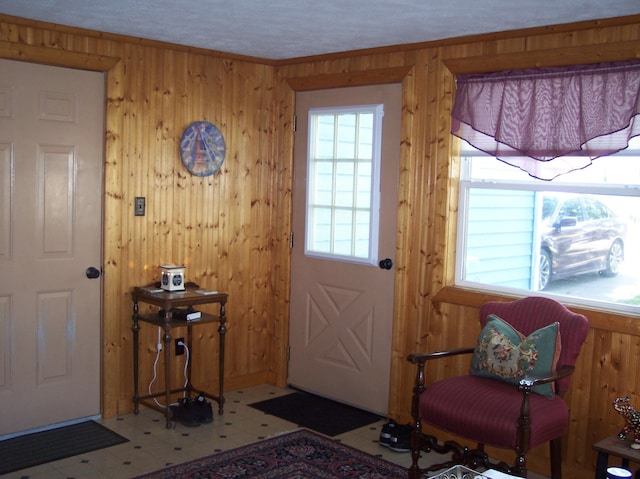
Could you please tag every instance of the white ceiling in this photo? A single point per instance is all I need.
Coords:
(283, 29)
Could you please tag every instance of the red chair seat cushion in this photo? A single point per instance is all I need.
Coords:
(486, 411)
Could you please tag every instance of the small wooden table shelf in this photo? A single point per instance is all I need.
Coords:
(614, 446)
(166, 301)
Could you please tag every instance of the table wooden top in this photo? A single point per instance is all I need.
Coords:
(618, 447)
(187, 297)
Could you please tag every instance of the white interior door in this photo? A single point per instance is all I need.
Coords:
(341, 308)
(51, 156)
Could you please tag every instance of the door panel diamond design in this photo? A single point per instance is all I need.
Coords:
(362, 334)
(316, 322)
(328, 312)
(340, 298)
(338, 355)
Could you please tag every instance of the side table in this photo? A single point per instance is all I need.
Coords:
(166, 301)
(614, 446)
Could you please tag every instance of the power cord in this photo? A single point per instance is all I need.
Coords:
(155, 368)
(186, 364)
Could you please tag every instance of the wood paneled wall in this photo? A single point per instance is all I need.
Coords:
(222, 227)
(430, 314)
(231, 230)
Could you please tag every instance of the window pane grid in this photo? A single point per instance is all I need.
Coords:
(340, 184)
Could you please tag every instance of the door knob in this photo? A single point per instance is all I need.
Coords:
(92, 273)
(386, 263)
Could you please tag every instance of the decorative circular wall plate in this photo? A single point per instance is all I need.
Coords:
(202, 148)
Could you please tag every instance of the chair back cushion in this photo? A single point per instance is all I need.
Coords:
(532, 313)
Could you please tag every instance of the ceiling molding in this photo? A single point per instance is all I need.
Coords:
(116, 37)
(56, 57)
(608, 52)
(347, 79)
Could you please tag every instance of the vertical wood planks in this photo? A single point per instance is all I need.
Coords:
(231, 229)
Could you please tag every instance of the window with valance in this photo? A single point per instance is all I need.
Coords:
(566, 221)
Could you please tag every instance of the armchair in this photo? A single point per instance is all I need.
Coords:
(513, 395)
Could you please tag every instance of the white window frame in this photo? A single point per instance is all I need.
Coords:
(530, 184)
(374, 207)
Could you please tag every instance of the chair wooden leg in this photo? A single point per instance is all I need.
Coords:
(555, 452)
(416, 447)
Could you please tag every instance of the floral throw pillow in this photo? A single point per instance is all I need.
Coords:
(505, 354)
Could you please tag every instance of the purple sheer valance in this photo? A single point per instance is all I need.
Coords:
(550, 121)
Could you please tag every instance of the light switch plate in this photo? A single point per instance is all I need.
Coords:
(139, 205)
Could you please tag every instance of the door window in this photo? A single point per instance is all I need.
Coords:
(343, 184)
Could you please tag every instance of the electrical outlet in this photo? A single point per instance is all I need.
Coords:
(179, 347)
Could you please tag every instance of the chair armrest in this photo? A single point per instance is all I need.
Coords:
(417, 358)
(527, 383)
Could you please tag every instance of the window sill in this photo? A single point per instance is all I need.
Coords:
(598, 318)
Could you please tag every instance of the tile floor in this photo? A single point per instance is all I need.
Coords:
(152, 446)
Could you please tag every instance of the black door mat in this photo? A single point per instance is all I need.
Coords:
(322, 415)
(41, 447)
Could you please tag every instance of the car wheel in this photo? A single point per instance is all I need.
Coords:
(614, 258)
(544, 273)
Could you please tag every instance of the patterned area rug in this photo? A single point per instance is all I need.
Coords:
(296, 455)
